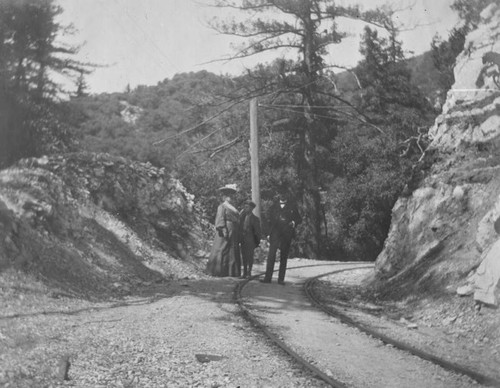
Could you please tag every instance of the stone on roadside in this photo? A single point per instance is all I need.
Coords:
(203, 358)
(466, 290)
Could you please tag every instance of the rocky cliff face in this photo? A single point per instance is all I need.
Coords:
(439, 230)
(96, 223)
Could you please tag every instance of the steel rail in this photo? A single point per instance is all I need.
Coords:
(276, 340)
(308, 288)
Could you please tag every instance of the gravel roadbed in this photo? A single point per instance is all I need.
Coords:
(184, 334)
(452, 331)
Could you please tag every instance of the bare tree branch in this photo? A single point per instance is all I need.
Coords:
(350, 70)
(224, 146)
(225, 4)
(199, 141)
(197, 125)
(245, 32)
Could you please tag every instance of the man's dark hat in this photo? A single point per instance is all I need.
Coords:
(282, 197)
(250, 203)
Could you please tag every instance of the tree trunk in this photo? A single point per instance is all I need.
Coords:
(308, 170)
(310, 196)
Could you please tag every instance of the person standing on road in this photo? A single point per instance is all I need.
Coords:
(249, 236)
(224, 258)
(283, 217)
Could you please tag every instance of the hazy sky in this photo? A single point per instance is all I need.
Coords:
(142, 42)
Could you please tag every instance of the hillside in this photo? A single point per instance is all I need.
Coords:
(424, 75)
(116, 197)
(94, 225)
(90, 226)
(439, 230)
(441, 247)
(196, 126)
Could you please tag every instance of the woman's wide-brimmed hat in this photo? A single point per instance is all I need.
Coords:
(229, 189)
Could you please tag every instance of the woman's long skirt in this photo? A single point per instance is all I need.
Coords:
(225, 258)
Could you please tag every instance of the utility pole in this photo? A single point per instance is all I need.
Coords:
(254, 156)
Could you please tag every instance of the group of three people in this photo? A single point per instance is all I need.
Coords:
(239, 233)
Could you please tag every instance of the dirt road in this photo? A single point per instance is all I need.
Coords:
(191, 334)
(342, 352)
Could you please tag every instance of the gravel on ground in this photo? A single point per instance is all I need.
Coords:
(178, 334)
(190, 333)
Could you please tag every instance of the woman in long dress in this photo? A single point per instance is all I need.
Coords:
(225, 259)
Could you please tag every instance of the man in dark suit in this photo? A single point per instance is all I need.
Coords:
(249, 236)
(283, 217)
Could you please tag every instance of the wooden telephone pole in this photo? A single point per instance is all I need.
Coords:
(254, 156)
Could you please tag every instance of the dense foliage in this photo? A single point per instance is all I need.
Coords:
(308, 28)
(469, 11)
(29, 58)
(360, 169)
(374, 166)
(444, 54)
(345, 148)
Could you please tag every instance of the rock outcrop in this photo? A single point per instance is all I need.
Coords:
(97, 223)
(440, 229)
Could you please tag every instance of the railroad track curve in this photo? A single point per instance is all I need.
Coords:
(263, 304)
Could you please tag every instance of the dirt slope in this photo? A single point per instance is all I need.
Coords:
(96, 224)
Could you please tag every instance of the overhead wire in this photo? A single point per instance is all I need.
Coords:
(280, 107)
(190, 129)
(246, 98)
(311, 106)
(326, 117)
(169, 62)
(199, 141)
(197, 125)
(298, 112)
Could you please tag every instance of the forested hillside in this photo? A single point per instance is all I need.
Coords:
(197, 125)
(345, 145)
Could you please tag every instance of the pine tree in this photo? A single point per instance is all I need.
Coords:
(444, 54)
(81, 86)
(308, 27)
(29, 55)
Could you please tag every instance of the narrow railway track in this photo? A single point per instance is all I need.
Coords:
(309, 289)
(277, 341)
(253, 313)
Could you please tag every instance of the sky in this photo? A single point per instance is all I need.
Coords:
(143, 42)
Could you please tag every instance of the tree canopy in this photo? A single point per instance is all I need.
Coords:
(30, 55)
(308, 27)
(344, 143)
